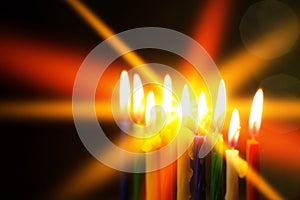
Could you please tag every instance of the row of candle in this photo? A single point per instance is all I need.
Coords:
(160, 184)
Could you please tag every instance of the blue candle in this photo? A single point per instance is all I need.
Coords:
(199, 170)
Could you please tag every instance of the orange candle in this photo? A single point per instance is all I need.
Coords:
(232, 182)
(167, 174)
(151, 144)
(252, 153)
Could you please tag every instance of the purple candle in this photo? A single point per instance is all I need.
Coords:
(199, 170)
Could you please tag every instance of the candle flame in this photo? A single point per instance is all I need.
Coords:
(234, 129)
(124, 92)
(256, 113)
(219, 114)
(202, 112)
(138, 97)
(150, 116)
(167, 95)
(185, 102)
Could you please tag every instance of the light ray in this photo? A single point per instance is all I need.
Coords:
(63, 109)
(239, 68)
(210, 25)
(258, 181)
(105, 32)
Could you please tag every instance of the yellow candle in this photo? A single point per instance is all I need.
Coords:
(232, 184)
(184, 170)
(151, 144)
(168, 174)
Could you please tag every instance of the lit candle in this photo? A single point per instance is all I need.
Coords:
(199, 163)
(184, 170)
(216, 183)
(252, 153)
(152, 178)
(168, 173)
(232, 184)
(138, 117)
(124, 108)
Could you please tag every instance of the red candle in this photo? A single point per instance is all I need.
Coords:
(252, 153)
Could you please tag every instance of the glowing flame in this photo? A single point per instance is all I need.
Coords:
(185, 102)
(256, 113)
(202, 114)
(124, 92)
(150, 116)
(202, 108)
(167, 95)
(138, 97)
(219, 114)
(234, 129)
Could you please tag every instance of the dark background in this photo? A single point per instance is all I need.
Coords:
(36, 155)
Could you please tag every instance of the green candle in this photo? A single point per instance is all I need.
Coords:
(216, 187)
(137, 185)
(216, 139)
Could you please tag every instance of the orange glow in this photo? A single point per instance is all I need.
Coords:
(30, 62)
(273, 108)
(47, 67)
(262, 185)
(240, 165)
(85, 179)
(234, 129)
(105, 32)
(208, 31)
(210, 25)
(256, 113)
(62, 109)
(250, 63)
(51, 110)
(36, 64)
(90, 176)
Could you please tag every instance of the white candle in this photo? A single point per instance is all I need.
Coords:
(124, 110)
(232, 184)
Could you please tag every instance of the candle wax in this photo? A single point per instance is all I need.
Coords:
(152, 178)
(199, 170)
(168, 174)
(124, 177)
(216, 187)
(252, 155)
(232, 184)
(136, 184)
(184, 170)
(124, 180)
